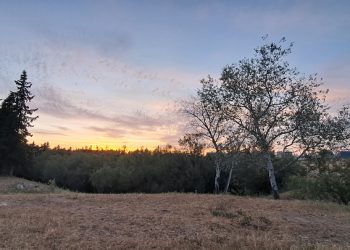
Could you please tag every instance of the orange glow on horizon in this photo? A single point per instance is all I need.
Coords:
(103, 143)
(89, 145)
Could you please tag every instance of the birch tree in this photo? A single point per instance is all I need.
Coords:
(215, 132)
(207, 125)
(275, 105)
(237, 142)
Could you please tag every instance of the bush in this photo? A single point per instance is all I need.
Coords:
(252, 178)
(106, 180)
(327, 179)
(157, 171)
(161, 170)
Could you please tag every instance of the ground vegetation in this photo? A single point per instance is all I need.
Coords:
(168, 221)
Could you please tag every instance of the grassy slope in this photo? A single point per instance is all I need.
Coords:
(8, 185)
(66, 220)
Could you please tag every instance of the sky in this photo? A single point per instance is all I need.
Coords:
(109, 73)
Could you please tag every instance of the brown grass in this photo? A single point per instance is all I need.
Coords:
(8, 185)
(168, 221)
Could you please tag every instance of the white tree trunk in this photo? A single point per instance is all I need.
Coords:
(217, 178)
(228, 181)
(11, 171)
(272, 175)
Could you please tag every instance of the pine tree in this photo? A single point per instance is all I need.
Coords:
(15, 118)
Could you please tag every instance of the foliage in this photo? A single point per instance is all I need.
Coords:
(208, 125)
(15, 118)
(250, 177)
(211, 130)
(192, 144)
(160, 170)
(156, 171)
(326, 179)
(274, 105)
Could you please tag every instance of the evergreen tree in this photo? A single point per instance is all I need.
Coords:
(15, 118)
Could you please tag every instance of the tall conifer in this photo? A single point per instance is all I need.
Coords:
(15, 118)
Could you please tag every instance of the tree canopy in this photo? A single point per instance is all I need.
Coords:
(275, 105)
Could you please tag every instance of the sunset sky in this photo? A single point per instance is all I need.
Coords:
(108, 73)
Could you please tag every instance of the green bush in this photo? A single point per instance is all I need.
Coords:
(326, 179)
(157, 171)
(252, 178)
(106, 180)
(161, 170)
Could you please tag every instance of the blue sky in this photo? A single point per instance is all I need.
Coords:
(109, 72)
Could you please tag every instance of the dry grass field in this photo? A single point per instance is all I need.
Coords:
(50, 218)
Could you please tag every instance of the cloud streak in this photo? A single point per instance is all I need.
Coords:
(51, 101)
(48, 133)
(109, 132)
(114, 70)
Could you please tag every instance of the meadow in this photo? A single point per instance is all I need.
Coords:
(51, 218)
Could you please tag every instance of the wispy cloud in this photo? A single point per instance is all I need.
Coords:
(48, 133)
(61, 128)
(109, 132)
(289, 16)
(115, 69)
(172, 139)
(51, 101)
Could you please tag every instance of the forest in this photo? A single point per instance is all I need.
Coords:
(157, 171)
(260, 129)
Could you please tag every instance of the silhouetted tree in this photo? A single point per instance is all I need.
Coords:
(270, 102)
(15, 118)
(214, 131)
(208, 126)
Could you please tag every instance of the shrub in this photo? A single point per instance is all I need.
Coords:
(119, 172)
(327, 179)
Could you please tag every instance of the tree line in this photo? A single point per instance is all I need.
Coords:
(147, 171)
